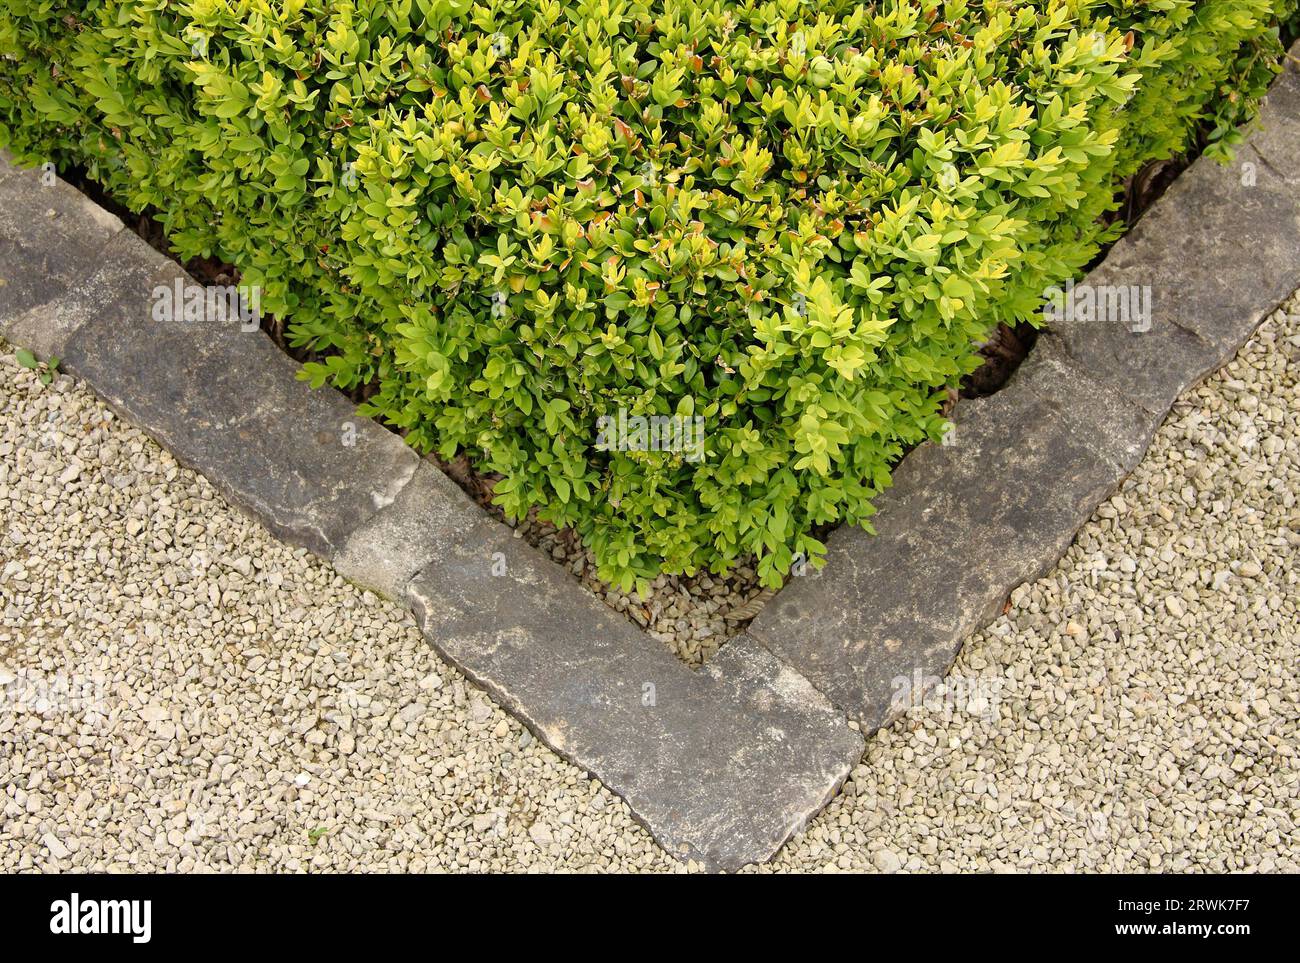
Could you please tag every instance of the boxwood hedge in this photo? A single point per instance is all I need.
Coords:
(516, 221)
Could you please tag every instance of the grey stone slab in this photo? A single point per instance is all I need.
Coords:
(1274, 139)
(127, 267)
(963, 524)
(44, 209)
(1211, 258)
(801, 758)
(227, 402)
(1187, 336)
(50, 237)
(721, 766)
(1094, 413)
(387, 551)
(1150, 363)
(1221, 251)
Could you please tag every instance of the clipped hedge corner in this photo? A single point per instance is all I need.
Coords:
(529, 224)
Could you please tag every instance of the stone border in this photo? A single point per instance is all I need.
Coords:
(966, 523)
(722, 766)
(725, 764)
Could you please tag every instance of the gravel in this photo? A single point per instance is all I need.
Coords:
(180, 692)
(693, 615)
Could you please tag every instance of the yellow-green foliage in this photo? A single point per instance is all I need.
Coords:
(792, 220)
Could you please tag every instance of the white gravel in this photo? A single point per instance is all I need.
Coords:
(179, 691)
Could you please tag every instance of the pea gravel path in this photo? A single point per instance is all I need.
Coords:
(178, 691)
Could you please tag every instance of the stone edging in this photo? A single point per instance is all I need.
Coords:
(721, 765)
(966, 523)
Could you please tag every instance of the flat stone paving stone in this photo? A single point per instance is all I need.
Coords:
(1150, 367)
(1204, 303)
(1217, 254)
(386, 552)
(1096, 414)
(721, 766)
(47, 327)
(963, 525)
(50, 238)
(228, 403)
(1274, 139)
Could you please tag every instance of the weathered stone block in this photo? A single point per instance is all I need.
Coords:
(1274, 140)
(720, 766)
(1211, 258)
(227, 402)
(1221, 252)
(1151, 371)
(50, 237)
(127, 267)
(1093, 412)
(963, 524)
(387, 551)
